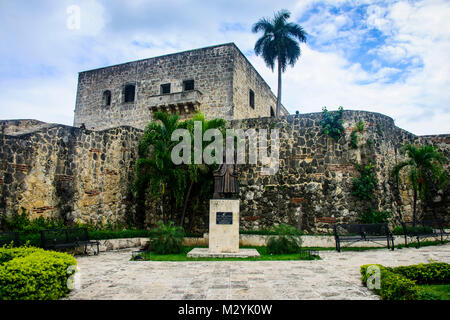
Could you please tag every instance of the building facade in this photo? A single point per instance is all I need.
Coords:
(219, 81)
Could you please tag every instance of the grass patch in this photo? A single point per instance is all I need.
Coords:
(265, 256)
(438, 290)
(268, 232)
(422, 244)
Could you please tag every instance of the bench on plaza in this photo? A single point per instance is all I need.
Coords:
(6, 238)
(424, 229)
(353, 233)
(67, 238)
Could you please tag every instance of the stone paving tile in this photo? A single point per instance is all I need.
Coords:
(112, 276)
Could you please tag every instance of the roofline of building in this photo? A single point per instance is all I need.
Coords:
(161, 56)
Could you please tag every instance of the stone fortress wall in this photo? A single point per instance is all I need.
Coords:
(83, 175)
(222, 79)
(63, 171)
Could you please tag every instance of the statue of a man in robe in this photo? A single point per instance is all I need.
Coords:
(225, 181)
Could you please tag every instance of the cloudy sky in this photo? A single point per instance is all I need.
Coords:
(391, 57)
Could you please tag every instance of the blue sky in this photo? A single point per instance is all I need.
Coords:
(391, 57)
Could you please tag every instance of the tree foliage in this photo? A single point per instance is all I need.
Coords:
(332, 123)
(157, 177)
(363, 187)
(279, 42)
(425, 167)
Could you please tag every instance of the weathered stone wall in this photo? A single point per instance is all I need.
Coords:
(313, 186)
(222, 79)
(12, 127)
(85, 176)
(67, 172)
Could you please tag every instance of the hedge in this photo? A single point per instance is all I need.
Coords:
(30, 273)
(429, 273)
(399, 231)
(400, 283)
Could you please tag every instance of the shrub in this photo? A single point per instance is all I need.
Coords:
(20, 222)
(167, 239)
(412, 230)
(287, 240)
(393, 286)
(363, 187)
(359, 126)
(399, 283)
(375, 216)
(354, 140)
(332, 123)
(29, 273)
(430, 273)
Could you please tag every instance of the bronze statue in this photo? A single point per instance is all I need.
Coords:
(225, 181)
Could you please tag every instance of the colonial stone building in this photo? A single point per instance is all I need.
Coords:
(219, 81)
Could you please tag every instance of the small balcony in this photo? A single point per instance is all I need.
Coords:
(184, 102)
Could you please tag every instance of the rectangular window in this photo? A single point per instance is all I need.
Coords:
(129, 92)
(165, 88)
(252, 99)
(188, 85)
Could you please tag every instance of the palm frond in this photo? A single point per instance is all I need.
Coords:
(263, 24)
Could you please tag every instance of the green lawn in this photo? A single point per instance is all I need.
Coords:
(440, 290)
(265, 256)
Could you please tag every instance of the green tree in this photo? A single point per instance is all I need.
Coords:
(425, 167)
(280, 42)
(156, 174)
(200, 175)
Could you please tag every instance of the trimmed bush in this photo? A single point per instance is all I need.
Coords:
(393, 286)
(430, 273)
(288, 241)
(167, 239)
(29, 273)
(400, 283)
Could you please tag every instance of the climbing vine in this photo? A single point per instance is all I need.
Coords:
(359, 128)
(364, 185)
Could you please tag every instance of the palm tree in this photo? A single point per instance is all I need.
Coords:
(199, 174)
(279, 42)
(425, 165)
(156, 174)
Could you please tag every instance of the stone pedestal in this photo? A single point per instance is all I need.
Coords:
(223, 226)
(223, 232)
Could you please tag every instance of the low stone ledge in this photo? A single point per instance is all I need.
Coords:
(204, 253)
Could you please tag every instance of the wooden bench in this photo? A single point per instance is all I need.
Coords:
(6, 238)
(424, 229)
(67, 238)
(353, 233)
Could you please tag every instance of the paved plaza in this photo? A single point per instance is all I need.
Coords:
(112, 275)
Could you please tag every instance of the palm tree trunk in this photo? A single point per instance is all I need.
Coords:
(414, 207)
(186, 202)
(279, 91)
